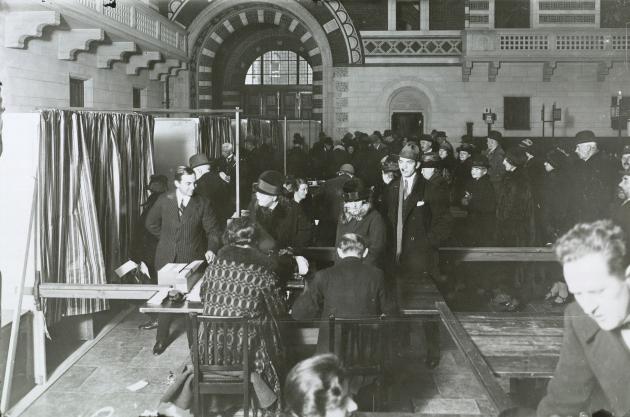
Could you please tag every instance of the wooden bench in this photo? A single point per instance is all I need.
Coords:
(510, 345)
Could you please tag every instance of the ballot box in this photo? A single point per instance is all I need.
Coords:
(181, 276)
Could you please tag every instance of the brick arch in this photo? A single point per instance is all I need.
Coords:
(220, 20)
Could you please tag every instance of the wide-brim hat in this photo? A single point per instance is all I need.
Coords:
(355, 190)
(556, 158)
(410, 151)
(585, 136)
(198, 160)
(466, 147)
(480, 161)
(430, 160)
(270, 183)
(516, 156)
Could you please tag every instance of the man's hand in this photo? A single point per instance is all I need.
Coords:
(210, 256)
(225, 177)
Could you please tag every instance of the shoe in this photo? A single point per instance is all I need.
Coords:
(158, 348)
(149, 325)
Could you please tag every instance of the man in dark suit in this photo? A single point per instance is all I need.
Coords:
(594, 368)
(409, 216)
(621, 210)
(210, 185)
(349, 289)
(187, 230)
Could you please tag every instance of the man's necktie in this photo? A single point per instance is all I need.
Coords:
(399, 222)
(406, 191)
(181, 208)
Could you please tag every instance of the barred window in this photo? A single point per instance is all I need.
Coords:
(279, 68)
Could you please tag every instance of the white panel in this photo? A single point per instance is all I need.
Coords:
(174, 141)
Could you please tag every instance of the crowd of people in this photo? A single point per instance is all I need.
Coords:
(387, 204)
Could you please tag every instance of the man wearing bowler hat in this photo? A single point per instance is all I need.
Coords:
(210, 185)
(409, 217)
(593, 178)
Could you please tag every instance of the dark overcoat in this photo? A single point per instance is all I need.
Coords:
(186, 239)
(593, 371)
(481, 221)
(211, 186)
(349, 289)
(372, 228)
(515, 210)
(418, 246)
(594, 183)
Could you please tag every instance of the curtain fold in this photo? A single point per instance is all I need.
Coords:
(93, 169)
(213, 132)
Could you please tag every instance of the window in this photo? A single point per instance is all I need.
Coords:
(407, 15)
(77, 92)
(137, 98)
(516, 113)
(511, 14)
(446, 14)
(279, 68)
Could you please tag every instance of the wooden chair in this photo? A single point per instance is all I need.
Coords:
(220, 365)
(361, 346)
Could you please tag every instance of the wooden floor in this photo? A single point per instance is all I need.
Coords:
(99, 379)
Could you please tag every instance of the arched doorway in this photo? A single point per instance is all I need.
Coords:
(409, 111)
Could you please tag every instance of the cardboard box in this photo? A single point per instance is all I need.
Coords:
(182, 277)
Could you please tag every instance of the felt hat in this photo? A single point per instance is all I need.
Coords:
(480, 161)
(516, 156)
(431, 160)
(158, 183)
(466, 147)
(410, 151)
(625, 150)
(198, 160)
(355, 190)
(526, 144)
(440, 134)
(427, 138)
(585, 136)
(556, 158)
(389, 163)
(270, 183)
(495, 135)
(348, 168)
(447, 145)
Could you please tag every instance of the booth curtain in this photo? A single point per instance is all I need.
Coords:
(213, 132)
(93, 172)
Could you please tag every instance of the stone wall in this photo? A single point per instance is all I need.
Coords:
(363, 96)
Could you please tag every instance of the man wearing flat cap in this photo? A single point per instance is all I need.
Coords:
(210, 185)
(329, 203)
(594, 177)
(409, 218)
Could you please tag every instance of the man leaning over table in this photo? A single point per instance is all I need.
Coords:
(187, 230)
(593, 372)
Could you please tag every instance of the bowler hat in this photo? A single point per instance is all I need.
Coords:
(410, 151)
(270, 183)
(585, 136)
(516, 156)
(198, 160)
(355, 190)
(427, 138)
(348, 168)
(495, 135)
(480, 161)
(431, 160)
(158, 183)
(389, 163)
(447, 145)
